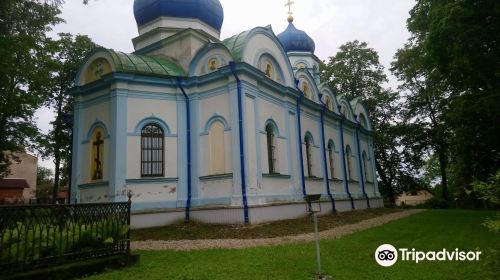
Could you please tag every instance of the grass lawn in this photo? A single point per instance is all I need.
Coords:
(350, 257)
(191, 231)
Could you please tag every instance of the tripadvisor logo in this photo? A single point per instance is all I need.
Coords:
(387, 255)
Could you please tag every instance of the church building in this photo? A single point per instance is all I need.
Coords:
(234, 130)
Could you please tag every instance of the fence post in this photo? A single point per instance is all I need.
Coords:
(129, 208)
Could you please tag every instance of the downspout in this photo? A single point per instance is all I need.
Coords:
(188, 132)
(346, 180)
(361, 167)
(242, 143)
(324, 156)
(299, 100)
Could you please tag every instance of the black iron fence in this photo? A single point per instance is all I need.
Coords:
(36, 236)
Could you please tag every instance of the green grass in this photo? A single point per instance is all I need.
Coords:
(350, 257)
(191, 231)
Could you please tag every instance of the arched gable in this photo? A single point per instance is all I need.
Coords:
(305, 78)
(247, 47)
(210, 58)
(105, 61)
(344, 105)
(361, 112)
(326, 91)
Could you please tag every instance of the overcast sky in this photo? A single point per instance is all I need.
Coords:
(380, 23)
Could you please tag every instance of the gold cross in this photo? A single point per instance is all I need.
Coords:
(289, 4)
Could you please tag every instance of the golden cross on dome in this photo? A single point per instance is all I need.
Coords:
(290, 13)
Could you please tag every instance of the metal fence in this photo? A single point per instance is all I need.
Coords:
(36, 236)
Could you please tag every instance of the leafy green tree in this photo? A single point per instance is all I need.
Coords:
(355, 71)
(24, 71)
(44, 182)
(424, 108)
(70, 51)
(458, 50)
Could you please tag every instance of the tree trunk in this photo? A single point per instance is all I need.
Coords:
(443, 164)
(57, 174)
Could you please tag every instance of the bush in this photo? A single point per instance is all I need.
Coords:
(435, 203)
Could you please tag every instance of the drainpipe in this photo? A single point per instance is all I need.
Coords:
(346, 179)
(299, 100)
(242, 144)
(324, 155)
(188, 132)
(361, 166)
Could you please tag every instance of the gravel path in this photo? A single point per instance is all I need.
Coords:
(188, 245)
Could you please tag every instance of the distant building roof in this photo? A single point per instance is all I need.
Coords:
(13, 184)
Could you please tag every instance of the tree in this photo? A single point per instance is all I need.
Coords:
(424, 108)
(70, 51)
(24, 71)
(458, 48)
(355, 71)
(44, 182)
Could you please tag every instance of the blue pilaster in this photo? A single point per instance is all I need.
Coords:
(344, 168)
(118, 147)
(360, 169)
(77, 153)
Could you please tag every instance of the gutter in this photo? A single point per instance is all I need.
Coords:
(242, 143)
(346, 179)
(361, 167)
(324, 156)
(188, 120)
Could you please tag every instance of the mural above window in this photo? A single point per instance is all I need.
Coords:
(269, 69)
(96, 70)
(213, 64)
(328, 103)
(301, 65)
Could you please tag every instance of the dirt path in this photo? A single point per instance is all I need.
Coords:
(188, 245)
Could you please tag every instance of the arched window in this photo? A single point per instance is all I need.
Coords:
(365, 165)
(97, 154)
(308, 141)
(330, 160)
(348, 155)
(217, 149)
(271, 148)
(306, 90)
(328, 103)
(152, 151)
(362, 121)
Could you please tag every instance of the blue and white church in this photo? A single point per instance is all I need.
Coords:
(219, 131)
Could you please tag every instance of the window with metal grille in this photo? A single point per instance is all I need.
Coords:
(330, 159)
(152, 151)
(308, 141)
(271, 149)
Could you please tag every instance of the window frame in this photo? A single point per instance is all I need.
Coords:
(151, 164)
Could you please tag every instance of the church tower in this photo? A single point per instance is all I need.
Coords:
(300, 49)
(175, 29)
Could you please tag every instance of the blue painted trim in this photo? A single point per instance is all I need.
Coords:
(242, 151)
(202, 53)
(361, 168)
(286, 115)
(325, 165)
(275, 127)
(188, 132)
(152, 120)
(258, 148)
(97, 124)
(93, 185)
(309, 135)
(151, 181)
(346, 180)
(216, 118)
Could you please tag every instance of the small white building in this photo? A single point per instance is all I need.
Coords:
(414, 198)
(221, 131)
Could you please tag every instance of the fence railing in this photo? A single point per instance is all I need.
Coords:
(36, 236)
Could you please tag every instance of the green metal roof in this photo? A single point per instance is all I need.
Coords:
(143, 64)
(236, 44)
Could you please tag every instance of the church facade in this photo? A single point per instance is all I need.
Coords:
(220, 131)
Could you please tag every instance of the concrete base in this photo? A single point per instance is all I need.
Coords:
(235, 215)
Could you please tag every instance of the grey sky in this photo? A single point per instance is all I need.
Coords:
(380, 23)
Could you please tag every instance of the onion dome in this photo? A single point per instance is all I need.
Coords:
(207, 11)
(295, 40)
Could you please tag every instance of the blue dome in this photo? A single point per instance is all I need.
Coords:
(208, 11)
(294, 40)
